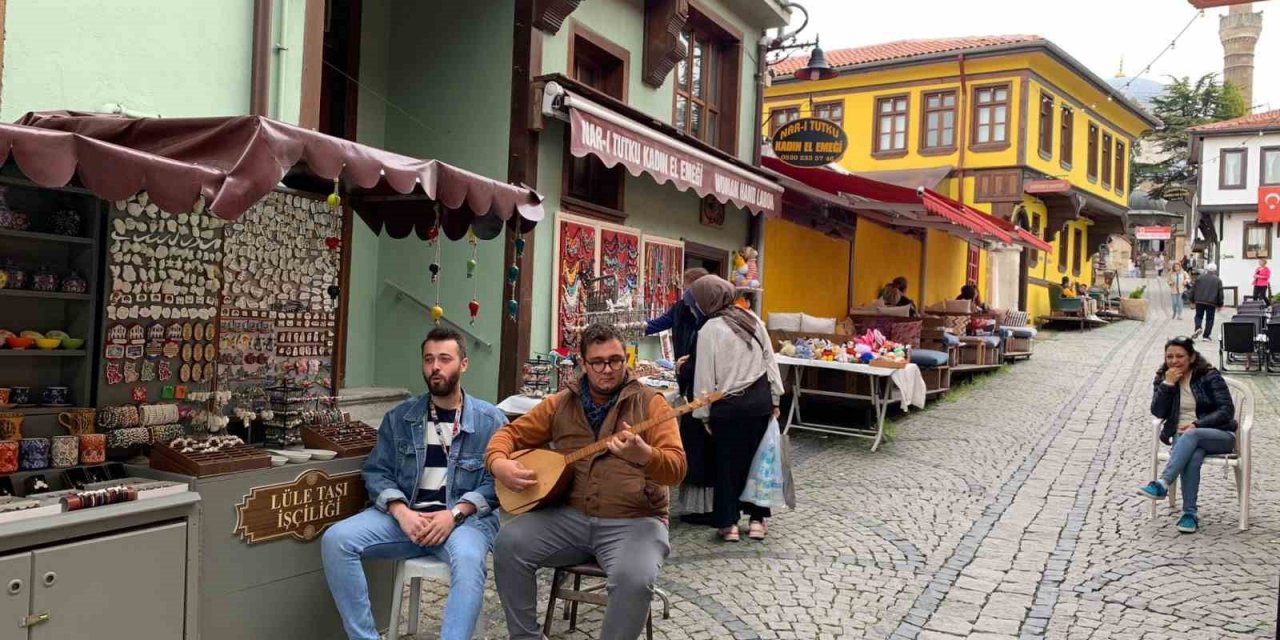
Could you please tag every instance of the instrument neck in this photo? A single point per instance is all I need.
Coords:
(603, 444)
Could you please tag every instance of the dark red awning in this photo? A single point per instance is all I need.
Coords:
(1021, 236)
(852, 184)
(234, 162)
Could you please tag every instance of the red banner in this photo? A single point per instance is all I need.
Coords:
(667, 160)
(1269, 204)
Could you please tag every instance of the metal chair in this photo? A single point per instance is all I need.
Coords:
(1240, 461)
(1239, 344)
(413, 571)
(1273, 347)
(589, 595)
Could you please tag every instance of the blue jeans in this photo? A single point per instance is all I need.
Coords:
(374, 534)
(1177, 304)
(1189, 450)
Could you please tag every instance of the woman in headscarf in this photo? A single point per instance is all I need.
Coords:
(694, 500)
(734, 356)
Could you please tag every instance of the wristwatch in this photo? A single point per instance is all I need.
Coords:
(458, 516)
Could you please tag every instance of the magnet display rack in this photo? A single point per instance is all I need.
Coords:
(74, 313)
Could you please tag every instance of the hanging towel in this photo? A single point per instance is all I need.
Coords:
(910, 386)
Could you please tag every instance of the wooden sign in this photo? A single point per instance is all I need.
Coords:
(1046, 186)
(303, 508)
(810, 142)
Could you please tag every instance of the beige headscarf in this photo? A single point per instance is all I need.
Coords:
(714, 297)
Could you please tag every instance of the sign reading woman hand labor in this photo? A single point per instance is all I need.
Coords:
(810, 142)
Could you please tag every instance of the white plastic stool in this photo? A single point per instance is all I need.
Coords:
(413, 571)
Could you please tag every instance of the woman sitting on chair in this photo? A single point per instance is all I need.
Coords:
(1199, 418)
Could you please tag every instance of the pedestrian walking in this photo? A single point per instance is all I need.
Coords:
(1207, 296)
(1262, 281)
(1199, 419)
(1177, 284)
(1159, 264)
(734, 356)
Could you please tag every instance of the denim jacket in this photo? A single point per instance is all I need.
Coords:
(394, 467)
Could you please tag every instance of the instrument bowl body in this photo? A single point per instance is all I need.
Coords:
(553, 479)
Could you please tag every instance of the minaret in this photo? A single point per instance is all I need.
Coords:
(1239, 31)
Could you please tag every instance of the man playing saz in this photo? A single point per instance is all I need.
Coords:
(617, 506)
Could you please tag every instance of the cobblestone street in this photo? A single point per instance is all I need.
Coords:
(1008, 509)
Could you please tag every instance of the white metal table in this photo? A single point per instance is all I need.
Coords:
(881, 394)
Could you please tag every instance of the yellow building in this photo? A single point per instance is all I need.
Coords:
(1010, 125)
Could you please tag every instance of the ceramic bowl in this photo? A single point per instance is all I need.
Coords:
(72, 343)
(296, 456)
(278, 461)
(19, 343)
(321, 454)
(48, 344)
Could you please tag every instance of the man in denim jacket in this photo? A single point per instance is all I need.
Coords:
(431, 493)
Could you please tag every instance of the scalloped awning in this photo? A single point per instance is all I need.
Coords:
(236, 161)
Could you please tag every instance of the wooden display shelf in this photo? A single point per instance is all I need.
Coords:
(45, 237)
(48, 295)
(42, 353)
(39, 410)
(240, 457)
(347, 446)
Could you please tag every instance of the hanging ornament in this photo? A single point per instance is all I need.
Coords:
(435, 271)
(471, 267)
(334, 199)
(474, 306)
(332, 242)
(433, 232)
(512, 308)
(519, 246)
(513, 274)
(437, 312)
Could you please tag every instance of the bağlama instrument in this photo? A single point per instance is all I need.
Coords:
(552, 467)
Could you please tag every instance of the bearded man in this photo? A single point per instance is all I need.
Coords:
(431, 492)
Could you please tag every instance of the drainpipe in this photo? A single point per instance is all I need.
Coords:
(260, 71)
(282, 49)
(962, 127)
(755, 234)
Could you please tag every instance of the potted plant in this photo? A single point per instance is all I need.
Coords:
(1135, 306)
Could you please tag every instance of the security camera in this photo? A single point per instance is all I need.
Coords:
(920, 192)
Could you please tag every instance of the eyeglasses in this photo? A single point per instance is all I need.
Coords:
(600, 366)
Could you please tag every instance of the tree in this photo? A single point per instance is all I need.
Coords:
(1184, 104)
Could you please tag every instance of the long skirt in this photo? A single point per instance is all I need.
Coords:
(735, 441)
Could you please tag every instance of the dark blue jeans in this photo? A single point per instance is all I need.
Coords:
(1204, 313)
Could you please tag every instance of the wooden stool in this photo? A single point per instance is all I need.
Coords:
(589, 595)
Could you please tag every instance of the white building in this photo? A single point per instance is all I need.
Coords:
(1235, 159)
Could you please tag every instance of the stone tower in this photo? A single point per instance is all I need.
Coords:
(1239, 31)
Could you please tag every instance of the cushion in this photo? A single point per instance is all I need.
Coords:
(950, 340)
(1015, 319)
(897, 312)
(784, 321)
(813, 324)
(1022, 332)
(958, 306)
(928, 358)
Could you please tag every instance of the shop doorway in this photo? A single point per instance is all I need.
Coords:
(714, 260)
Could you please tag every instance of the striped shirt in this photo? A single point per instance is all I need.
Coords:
(431, 488)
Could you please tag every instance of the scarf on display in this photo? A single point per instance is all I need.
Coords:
(714, 296)
(596, 413)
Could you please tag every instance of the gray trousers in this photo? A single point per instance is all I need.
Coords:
(630, 550)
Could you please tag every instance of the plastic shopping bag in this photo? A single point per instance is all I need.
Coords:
(765, 482)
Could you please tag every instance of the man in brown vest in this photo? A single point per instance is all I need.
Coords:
(617, 507)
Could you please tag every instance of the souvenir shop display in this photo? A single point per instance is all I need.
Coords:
(536, 377)
(283, 427)
(279, 315)
(207, 456)
(348, 438)
(33, 453)
(871, 348)
(93, 448)
(746, 273)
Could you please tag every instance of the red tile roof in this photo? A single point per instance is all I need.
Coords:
(898, 50)
(1251, 122)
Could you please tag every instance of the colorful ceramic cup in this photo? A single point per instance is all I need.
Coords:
(20, 394)
(78, 421)
(93, 448)
(33, 453)
(10, 425)
(8, 456)
(4, 395)
(65, 451)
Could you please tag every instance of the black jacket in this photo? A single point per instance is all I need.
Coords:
(1207, 290)
(1214, 407)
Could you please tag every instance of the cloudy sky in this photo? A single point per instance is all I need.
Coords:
(1096, 32)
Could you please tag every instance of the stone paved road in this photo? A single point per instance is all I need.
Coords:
(1006, 510)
